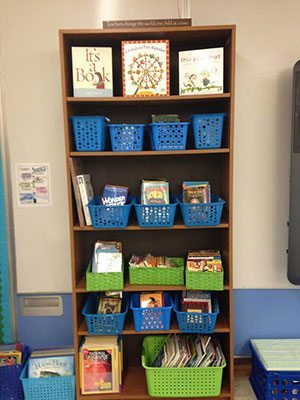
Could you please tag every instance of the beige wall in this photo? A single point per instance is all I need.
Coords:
(267, 48)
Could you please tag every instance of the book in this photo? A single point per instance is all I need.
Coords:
(10, 357)
(151, 300)
(100, 364)
(145, 68)
(76, 168)
(196, 302)
(165, 118)
(92, 71)
(201, 71)
(109, 305)
(155, 191)
(196, 192)
(114, 195)
(107, 257)
(86, 194)
(204, 261)
(52, 351)
(54, 366)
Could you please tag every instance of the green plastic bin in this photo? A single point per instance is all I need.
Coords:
(104, 281)
(178, 382)
(158, 276)
(204, 280)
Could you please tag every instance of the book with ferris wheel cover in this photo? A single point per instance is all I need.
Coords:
(145, 67)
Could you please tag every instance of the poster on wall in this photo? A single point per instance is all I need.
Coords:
(33, 185)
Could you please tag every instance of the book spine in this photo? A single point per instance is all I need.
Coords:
(85, 199)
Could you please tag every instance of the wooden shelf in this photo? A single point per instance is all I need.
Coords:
(148, 153)
(221, 327)
(81, 287)
(135, 388)
(155, 99)
(222, 225)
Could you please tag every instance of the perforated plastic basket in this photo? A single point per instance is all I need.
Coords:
(178, 382)
(54, 388)
(204, 280)
(158, 276)
(103, 281)
(151, 319)
(191, 322)
(168, 135)
(155, 215)
(103, 324)
(10, 383)
(126, 137)
(273, 385)
(90, 132)
(208, 130)
(203, 213)
(109, 216)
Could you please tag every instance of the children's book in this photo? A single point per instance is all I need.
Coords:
(76, 168)
(201, 71)
(46, 367)
(114, 195)
(145, 66)
(155, 192)
(196, 192)
(86, 194)
(92, 71)
(109, 305)
(151, 300)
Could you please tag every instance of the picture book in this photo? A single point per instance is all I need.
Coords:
(201, 71)
(86, 194)
(46, 367)
(76, 168)
(114, 195)
(155, 191)
(109, 305)
(196, 192)
(108, 262)
(10, 357)
(145, 67)
(150, 261)
(204, 261)
(196, 302)
(165, 118)
(151, 300)
(92, 71)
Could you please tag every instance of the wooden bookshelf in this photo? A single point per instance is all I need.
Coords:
(215, 165)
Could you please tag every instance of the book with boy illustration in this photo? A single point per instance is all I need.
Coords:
(204, 261)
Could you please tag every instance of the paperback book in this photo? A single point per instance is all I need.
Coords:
(86, 194)
(151, 300)
(46, 367)
(114, 195)
(201, 71)
(195, 192)
(92, 71)
(204, 261)
(155, 191)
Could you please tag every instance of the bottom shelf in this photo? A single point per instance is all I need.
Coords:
(135, 388)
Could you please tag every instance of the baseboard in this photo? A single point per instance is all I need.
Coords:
(242, 367)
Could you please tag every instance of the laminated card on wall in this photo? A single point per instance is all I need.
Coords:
(145, 65)
(201, 71)
(92, 71)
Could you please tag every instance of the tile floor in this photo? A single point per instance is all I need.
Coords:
(243, 389)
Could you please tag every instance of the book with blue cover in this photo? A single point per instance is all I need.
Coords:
(114, 195)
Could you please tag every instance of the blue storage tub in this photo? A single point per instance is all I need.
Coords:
(10, 383)
(151, 319)
(103, 324)
(155, 215)
(202, 214)
(193, 322)
(208, 130)
(168, 136)
(109, 216)
(126, 137)
(54, 388)
(90, 132)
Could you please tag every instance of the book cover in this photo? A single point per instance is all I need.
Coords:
(155, 192)
(114, 195)
(108, 262)
(145, 67)
(46, 367)
(92, 71)
(109, 305)
(151, 300)
(76, 168)
(86, 194)
(10, 357)
(201, 71)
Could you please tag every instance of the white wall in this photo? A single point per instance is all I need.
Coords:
(267, 48)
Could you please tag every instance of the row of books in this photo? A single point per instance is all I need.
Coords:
(151, 261)
(146, 70)
(181, 351)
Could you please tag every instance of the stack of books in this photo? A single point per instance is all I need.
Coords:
(107, 257)
(181, 351)
(150, 261)
(55, 362)
(196, 301)
(100, 364)
(204, 261)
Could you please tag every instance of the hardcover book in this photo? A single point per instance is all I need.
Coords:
(201, 71)
(155, 192)
(114, 195)
(46, 367)
(92, 71)
(145, 66)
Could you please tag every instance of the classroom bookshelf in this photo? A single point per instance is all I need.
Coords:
(127, 168)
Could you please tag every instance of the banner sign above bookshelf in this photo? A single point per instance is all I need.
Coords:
(147, 23)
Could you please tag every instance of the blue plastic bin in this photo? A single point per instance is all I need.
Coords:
(192, 322)
(168, 135)
(10, 383)
(202, 214)
(126, 137)
(151, 319)
(155, 215)
(54, 388)
(208, 130)
(103, 324)
(90, 133)
(109, 216)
